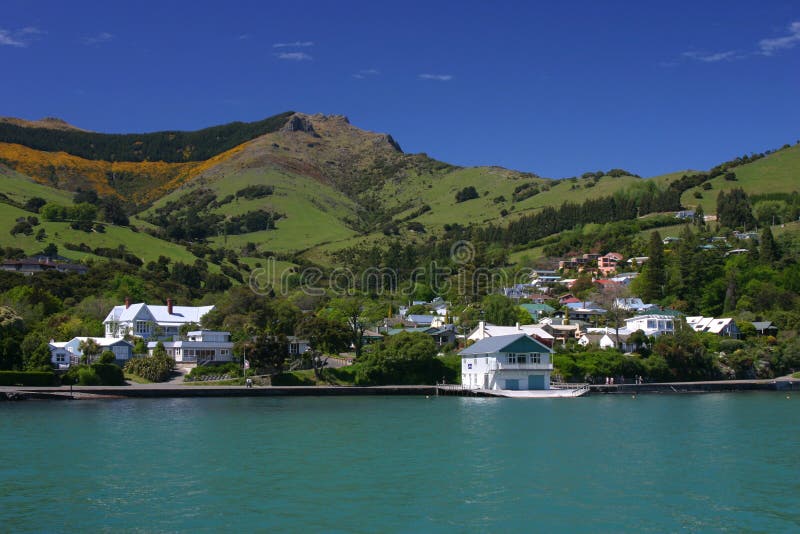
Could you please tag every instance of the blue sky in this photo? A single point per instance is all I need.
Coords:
(652, 87)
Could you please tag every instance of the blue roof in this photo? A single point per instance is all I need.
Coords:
(420, 319)
(491, 345)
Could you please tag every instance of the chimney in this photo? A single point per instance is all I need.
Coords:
(518, 328)
(127, 302)
(481, 329)
(169, 306)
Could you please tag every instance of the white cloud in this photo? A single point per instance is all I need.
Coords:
(244, 36)
(19, 38)
(364, 73)
(102, 37)
(712, 57)
(294, 56)
(766, 47)
(296, 44)
(770, 46)
(437, 77)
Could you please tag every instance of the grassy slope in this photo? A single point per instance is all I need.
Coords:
(313, 212)
(439, 193)
(142, 245)
(777, 172)
(20, 188)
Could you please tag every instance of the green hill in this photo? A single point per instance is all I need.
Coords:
(778, 172)
(331, 186)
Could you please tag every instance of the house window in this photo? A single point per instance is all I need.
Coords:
(536, 358)
(142, 327)
(522, 358)
(60, 358)
(651, 324)
(512, 358)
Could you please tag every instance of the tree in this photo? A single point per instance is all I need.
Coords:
(159, 350)
(608, 298)
(768, 251)
(733, 209)
(11, 330)
(51, 250)
(140, 347)
(269, 351)
(107, 357)
(36, 354)
(89, 349)
(767, 211)
(653, 275)
(685, 355)
(325, 336)
(500, 310)
(358, 314)
(405, 358)
(468, 193)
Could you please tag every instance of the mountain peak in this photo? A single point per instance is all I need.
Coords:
(320, 125)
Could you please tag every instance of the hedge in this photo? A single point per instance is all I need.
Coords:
(27, 378)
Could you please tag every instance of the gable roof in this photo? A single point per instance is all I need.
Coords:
(513, 343)
(159, 314)
(491, 330)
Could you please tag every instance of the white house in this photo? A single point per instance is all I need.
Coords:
(606, 340)
(485, 330)
(149, 321)
(721, 327)
(651, 324)
(66, 353)
(515, 362)
(631, 304)
(200, 346)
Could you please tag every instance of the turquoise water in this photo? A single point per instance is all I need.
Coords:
(403, 464)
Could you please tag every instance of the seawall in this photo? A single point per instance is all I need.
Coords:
(718, 386)
(164, 391)
(172, 390)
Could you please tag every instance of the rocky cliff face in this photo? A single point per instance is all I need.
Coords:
(330, 149)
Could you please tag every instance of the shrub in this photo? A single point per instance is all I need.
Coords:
(157, 368)
(255, 191)
(731, 345)
(230, 369)
(27, 378)
(22, 227)
(87, 377)
(468, 193)
(108, 374)
(107, 357)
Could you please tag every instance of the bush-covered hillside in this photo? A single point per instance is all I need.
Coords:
(169, 146)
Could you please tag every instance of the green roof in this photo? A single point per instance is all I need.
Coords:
(537, 308)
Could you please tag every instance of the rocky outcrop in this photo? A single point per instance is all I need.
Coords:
(299, 123)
